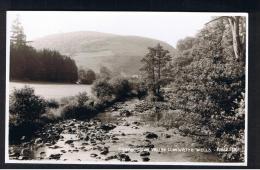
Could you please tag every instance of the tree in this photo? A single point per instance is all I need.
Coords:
(211, 85)
(87, 77)
(156, 68)
(105, 72)
(18, 38)
(237, 26)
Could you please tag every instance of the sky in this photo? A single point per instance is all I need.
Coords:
(165, 26)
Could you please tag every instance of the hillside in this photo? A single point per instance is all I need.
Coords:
(94, 49)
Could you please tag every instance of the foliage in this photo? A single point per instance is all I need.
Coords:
(105, 73)
(25, 110)
(26, 105)
(208, 83)
(102, 89)
(28, 64)
(138, 87)
(18, 38)
(45, 65)
(80, 107)
(52, 103)
(121, 87)
(156, 64)
(86, 77)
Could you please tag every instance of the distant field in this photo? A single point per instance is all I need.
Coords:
(53, 91)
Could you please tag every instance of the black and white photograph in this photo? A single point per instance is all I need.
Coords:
(148, 88)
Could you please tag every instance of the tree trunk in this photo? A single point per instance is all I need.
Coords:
(234, 24)
(159, 76)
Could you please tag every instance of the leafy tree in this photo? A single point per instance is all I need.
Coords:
(237, 26)
(87, 77)
(209, 84)
(156, 68)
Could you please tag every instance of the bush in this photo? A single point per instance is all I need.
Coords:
(102, 89)
(51, 103)
(80, 107)
(232, 133)
(86, 77)
(209, 84)
(25, 111)
(121, 87)
(82, 98)
(26, 105)
(139, 88)
(52, 114)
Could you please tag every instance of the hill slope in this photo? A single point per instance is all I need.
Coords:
(93, 49)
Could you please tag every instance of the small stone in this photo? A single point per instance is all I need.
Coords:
(38, 140)
(107, 126)
(151, 135)
(84, 144)
(93, 155)
(104, 151)
(110, 157)
(123, 157)
(69, 142)
(63, 151)
(146, 159)
(55, 156)
(144, 153)
(167, 136)
(115, 138)
(125, 113)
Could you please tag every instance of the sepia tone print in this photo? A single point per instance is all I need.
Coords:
(108, 87)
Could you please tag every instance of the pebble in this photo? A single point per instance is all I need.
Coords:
(93, 155)
(144, 153)
(146, 159)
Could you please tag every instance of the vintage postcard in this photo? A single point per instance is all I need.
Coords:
(141, 88)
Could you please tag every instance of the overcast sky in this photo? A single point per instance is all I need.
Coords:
(165, 26)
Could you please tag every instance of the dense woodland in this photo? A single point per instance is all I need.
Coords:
(200, 91)
(29, 64)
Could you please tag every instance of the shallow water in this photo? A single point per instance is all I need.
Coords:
(128, 137)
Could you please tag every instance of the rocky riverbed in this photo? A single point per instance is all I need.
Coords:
(118, 134)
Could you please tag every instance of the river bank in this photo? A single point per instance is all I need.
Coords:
(118, 134)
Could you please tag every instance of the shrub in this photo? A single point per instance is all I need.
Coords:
(82, 98)
(80, 107)
(52, 103)
(86, 77)
(142, 90)
(26, 105)
(25, 111)
(121, 87)
(75, 111)
(139, 88)
(103, 90)
(51, 115)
